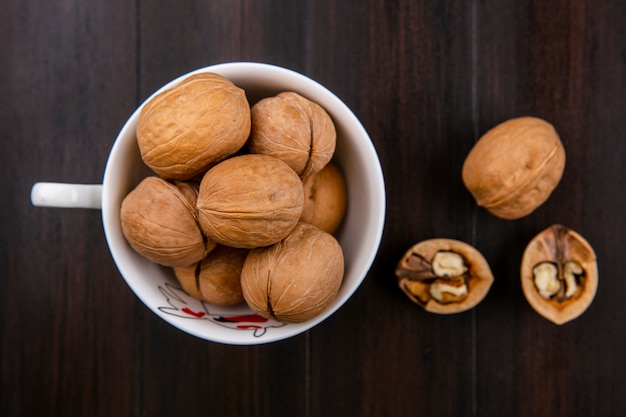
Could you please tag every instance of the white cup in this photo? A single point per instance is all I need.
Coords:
(156, 286)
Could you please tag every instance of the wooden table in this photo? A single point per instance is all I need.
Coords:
(426, 78)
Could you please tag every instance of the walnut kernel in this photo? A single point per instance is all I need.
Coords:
(444, 275)
(559, 274)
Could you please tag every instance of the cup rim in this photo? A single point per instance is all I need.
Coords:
(319, 93)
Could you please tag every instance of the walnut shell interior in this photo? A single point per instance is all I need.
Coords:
(557, 245)
(416, 274)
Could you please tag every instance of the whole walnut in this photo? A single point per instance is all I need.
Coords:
(294, 129)
(296, 279)
(325, 198)
(184, 130)
(159, 220)
(249, 201)
(217, 278)
(514, 167)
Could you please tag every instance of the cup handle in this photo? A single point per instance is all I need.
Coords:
(54, 194)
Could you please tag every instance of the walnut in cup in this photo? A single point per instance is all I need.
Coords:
(159, 220)
(249, 201)
(559, 274)
(294, 129)
(295, 279)
(217, 278)
(444, 275)
(184, 130)
(325, 198)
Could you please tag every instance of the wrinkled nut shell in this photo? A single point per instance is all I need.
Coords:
(557, 245)
(217, 278)
(294, 129)
(325, 199)
(514, 167)
(414, 272)
(159, 221)
(296, 279)
(184, 130)
(250, 201)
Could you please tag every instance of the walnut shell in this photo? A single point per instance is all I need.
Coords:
(217, 278)
(159, 221)
(514, 167)
(324, 198)
(294, 129)
(296, 279)
(184, 130)
(249, 201)
(418, 275)
(558, 245)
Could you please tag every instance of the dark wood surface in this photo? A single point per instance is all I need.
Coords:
(426, 78)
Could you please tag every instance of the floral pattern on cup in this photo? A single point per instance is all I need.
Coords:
(180, 304)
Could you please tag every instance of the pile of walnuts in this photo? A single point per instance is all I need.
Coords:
(246, 199)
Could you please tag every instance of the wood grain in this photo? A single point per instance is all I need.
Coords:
(555, 62)
(412, 91)
(67, 319)
(426, 78)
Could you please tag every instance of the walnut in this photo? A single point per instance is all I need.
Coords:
(217, 278)
(514, 167)
(325, 198)
(295, 130)
(249, 201)
(159, 220)
(184, 130)
(559, 274)
(444, 275)
(295, 279)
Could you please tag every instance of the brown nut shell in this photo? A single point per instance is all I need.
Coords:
(558, 245)
(294, 129)
(416, 276)
(514, 167)
(159, 220)
(217, 278)
(250, 201)
(325, 198)
(184, 130)
(296, 279)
